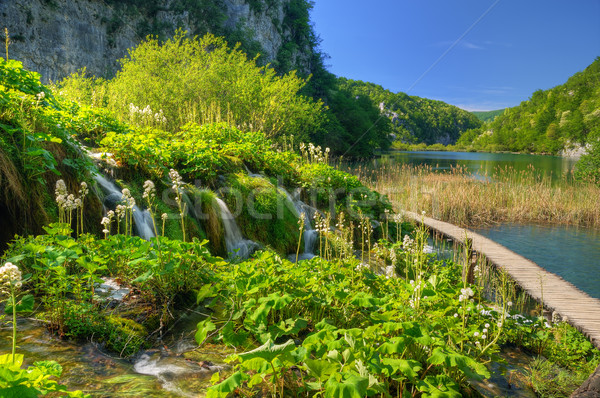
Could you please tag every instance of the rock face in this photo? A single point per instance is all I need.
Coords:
(58, 37)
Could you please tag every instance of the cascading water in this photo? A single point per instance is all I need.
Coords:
(235, 243)
(142, 219)
(309, 234)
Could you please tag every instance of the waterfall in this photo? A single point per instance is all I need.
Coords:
(235, 243)
(309, 234)
(143, 225)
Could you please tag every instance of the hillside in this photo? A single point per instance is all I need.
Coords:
(484, 116)
(415, 119)
(553, 120)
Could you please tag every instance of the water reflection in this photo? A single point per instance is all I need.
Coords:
(482, 164)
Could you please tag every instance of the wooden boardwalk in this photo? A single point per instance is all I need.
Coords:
(581, 310)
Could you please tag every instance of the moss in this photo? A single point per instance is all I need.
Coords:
(264, 214)
(124, 336)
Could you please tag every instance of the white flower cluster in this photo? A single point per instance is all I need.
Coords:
(362, 266)
(107, 221)
(9, 275)
(409, 244)
(60, 191)
(321, 224)
(176, 180)
(390, 271)
(40, 96)
(66, 201)
(146, 115)
(465, 294)
(149, 191)
(127, 200)
(314, 154)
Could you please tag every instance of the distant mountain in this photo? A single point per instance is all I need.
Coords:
(561, 118)
(485, 116)
(415, 119)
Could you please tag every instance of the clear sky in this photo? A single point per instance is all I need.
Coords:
(515, 48)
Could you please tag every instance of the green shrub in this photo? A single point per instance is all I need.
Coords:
(185, 80)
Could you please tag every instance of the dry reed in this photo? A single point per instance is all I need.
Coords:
(506, 196)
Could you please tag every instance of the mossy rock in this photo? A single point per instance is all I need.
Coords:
(263, 212)
(124, 336)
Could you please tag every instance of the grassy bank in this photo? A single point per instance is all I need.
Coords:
(506, 196)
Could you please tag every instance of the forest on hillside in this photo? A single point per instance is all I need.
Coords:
(415, 119)
(550, 121)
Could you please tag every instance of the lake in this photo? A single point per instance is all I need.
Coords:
(570, 252)
(481, 164)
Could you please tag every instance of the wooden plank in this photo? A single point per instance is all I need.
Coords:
(581, 310)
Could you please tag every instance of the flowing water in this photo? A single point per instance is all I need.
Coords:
(309, 234)
(154, 373)
(234, 241)
(143, 224)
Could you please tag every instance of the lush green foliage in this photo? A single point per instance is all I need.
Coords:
(185, 80)
(199, 152)
(549, 121)
(415, 119)
(485, 116)
(34, 381)
(36, 146)
(588, 167)
(354, 126)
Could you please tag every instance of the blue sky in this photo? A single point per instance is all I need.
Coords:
(519, 46)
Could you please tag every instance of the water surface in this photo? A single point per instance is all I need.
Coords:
(481, 163)
(570, 252)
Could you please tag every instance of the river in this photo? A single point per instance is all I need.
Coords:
(570, 252)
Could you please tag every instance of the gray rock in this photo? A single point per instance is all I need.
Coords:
(57, 38)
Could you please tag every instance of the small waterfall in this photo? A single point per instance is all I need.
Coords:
(309, 234)
(142, 219)
(235, 243)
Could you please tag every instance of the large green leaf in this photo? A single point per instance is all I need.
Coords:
(227, 386)
(269, 351)
(321, 369)
(346, 386)
(203, 329)
(23, 305)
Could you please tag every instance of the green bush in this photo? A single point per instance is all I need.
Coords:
(185, 80)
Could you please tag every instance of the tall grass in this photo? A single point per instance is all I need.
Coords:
(506, 196)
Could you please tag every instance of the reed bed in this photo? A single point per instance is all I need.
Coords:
(507, 195)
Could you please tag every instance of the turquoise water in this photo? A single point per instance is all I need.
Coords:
(570, 252)
(481, 163)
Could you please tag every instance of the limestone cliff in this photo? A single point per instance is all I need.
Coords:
(58, 37)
